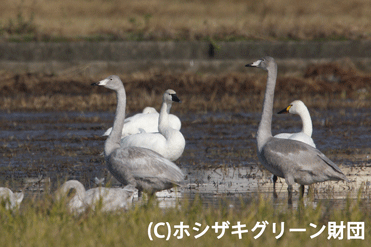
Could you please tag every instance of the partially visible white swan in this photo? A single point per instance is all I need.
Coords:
(168, 142)
(305, 135)
(148, 110)
(147, 121)
(12, 200)
(111, 198)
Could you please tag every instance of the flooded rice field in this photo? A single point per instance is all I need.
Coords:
(41, 150)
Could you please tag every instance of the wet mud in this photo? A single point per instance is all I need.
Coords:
(51, 127)
(219, 159)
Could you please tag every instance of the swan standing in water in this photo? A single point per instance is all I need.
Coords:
(12, 200)
(111, 198)
(147, 121)
(145, 169)
(305, 135)
(168, 141)
(290, 159)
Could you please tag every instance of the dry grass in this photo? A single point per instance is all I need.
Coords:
(323, 86)
(186, 20)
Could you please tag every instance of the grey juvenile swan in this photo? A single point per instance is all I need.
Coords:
(143, 168)
(290, 159)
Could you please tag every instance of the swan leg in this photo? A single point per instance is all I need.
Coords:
(289, 190)
(274, 186)
(139, 194)
(302, 189)
(290, 182)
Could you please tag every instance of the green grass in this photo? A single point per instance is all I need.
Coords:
(44, 222)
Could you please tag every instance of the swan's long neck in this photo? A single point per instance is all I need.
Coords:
(80, 189)
(307, 122)
(265, 126)
(113, 140)
(168, 108)
(163, 119)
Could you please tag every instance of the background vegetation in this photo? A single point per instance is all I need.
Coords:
(184, 20)
(324, 86)
(44, 222)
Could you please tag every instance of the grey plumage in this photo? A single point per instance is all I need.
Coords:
(290, 159)
(306, 164)
(143, 168)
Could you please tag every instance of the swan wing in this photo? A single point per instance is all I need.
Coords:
(147, 122)
(300, 136)
(153, 141)
(174, 122)
(143, 163)
(301, 160)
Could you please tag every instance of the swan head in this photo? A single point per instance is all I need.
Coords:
(170, 97)
(112, 82)
(295, 107)
(263, 63)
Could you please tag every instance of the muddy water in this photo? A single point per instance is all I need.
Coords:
(219, 160)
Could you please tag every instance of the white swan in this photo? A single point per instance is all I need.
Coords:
(168, 142)
(305, 135)
(149, 109)
(293, 160)
(147, 121)
(145, 169)
(111, 198)
(12, 200)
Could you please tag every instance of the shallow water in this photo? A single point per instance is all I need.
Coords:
(219, 160)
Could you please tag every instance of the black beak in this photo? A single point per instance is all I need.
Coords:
(255, 64)
(284, 111)
(95, 84)
(175, 98)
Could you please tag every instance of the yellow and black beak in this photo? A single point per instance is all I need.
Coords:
(284, 111)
